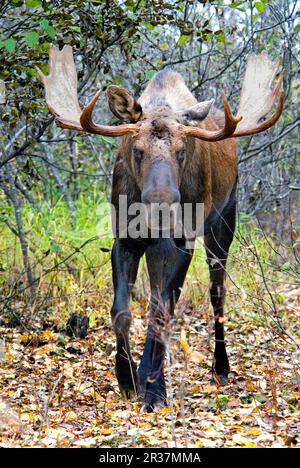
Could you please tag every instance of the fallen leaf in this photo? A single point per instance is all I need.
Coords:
(183, 341)
(196, 357)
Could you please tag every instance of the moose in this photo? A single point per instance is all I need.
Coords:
(174, 150)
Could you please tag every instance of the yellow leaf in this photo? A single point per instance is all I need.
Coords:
(183, 342)
(250, 386)
(255, 432)
(47, 335)
(24, 338)
(71, 416)
(196, 389)
(50, 347)
(209, 388)
(105, 431)
(197, 357)
(26, 416)
(199, 443)
(136, 407)
(165, 409)
(250, 444)
(241, 440)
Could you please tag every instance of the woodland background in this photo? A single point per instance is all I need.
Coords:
(60, 391)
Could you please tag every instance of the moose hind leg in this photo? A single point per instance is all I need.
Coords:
(217, 244)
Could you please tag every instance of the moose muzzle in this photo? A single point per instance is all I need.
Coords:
(161, 197)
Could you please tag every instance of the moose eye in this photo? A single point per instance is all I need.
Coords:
(138, 155)
(180, 155)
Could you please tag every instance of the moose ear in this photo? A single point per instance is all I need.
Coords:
(122, 103)
(198, 112)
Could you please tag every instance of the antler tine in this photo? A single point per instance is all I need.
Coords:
(231, 122)
(227, 131)
(61, 97)
(89, 126)
(278, 84)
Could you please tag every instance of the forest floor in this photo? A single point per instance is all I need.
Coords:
(61, 392)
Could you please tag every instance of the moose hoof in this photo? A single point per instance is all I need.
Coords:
(128, 393)
(155, 396)
(219, 378)
(128, 388)
(154, 405)
(127, 377)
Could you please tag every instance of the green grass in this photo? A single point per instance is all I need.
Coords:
(257, 266)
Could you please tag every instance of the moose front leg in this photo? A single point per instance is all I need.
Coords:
(125, 262)
(217, 244)
(167, 274)
(151, 366)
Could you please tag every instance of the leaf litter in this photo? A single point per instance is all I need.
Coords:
(57, 391)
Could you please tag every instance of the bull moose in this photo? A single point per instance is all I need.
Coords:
(174, 150)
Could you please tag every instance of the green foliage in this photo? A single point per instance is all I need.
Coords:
(260, 6)
(220, 36)
(32, 38)
(9, 44)
(149, 74)
(221, 401)
(182, 40)
(44, 24)
(33, 3)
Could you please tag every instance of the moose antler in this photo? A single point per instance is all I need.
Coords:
(61, 97)
(257, 97)
(227, 131)
(257, 100)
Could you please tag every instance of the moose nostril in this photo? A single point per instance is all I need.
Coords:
(163, 196)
